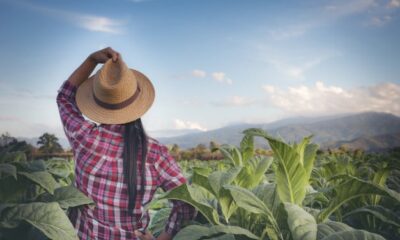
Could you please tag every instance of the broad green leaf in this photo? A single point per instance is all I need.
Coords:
(191, 195)
(268, 194)
(352, 188)
(12, 157)
(232, 153)
(310, 153)
(302, 225)
(159, 220)
(14, 191)
(254, 171)
(248, 201)
(228, 205)
(354, 235)
(379, 178)
(300, 148)
(31, 166)
(67, 197)
(386, 215)
(194, 232)
(42, 178)
(247, 148)
(291, 176)
(200, 179)
(7, 169)
(47, 217)
(218, 179)
(329, 227)
(58, 167)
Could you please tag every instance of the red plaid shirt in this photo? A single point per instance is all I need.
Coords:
(99, 174)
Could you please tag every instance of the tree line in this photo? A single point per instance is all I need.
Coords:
(47, 144)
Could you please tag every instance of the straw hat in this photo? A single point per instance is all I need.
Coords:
(115, 94)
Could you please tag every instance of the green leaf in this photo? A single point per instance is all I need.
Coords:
(384, 214)
(310, 153)
(354, 235)
(291, 176)
(253, 172)
(47, 217)
(42, 178)
(247, 148)
(232, 153)
(194, 232)
(331, 230)
(193, 196)
(7, 169)
(159, 221)
(302, 225)
(330, 227)
(14, 191)
(248, 201)
(201, 179)
(218, 179)
(379, 178)
(59, 167)
(268, 194)
(351, 188)
(68, 196)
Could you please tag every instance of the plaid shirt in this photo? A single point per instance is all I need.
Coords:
(99, 175)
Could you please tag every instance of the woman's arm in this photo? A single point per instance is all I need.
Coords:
(86, 68)
(76, 128)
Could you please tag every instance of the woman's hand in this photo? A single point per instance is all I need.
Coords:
(146, 236)
(103, 55)
(86, 68)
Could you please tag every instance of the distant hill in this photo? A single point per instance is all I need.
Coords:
(376, 143)
(328, 131)
(372, 131)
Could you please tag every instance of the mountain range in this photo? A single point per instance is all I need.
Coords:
(368, 131)
(371, 131)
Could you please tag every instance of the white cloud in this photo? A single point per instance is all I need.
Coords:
(86, 21)
(295, 71)
(97, 23)
(221, 77)
(181, 124)
(199, 73)
(379, 21)
(322, 99)
(269, 88)
(394, 4)
(319, 16)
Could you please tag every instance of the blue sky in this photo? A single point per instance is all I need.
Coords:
(213, 62)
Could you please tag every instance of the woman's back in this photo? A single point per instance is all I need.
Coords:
(99, 174)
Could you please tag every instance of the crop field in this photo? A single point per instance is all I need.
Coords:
(296, 193)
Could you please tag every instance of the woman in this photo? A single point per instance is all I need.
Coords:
(117, 164)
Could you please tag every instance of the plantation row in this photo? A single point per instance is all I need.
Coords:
(293, 194)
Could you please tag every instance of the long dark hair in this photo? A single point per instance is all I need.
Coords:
(135, 140)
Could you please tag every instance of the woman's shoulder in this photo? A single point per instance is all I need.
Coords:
(155, 147)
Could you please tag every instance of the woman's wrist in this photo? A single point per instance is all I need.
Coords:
(91, 59)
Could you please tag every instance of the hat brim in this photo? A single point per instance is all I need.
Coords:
(88, 106)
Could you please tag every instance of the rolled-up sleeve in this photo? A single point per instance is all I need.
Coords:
(172, 177)
(76, 127)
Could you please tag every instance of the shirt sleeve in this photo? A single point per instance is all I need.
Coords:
(172, 177)
(75, 126)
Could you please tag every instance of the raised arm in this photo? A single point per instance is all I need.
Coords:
(75, 126)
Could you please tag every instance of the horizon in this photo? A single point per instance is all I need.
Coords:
(211, 67)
